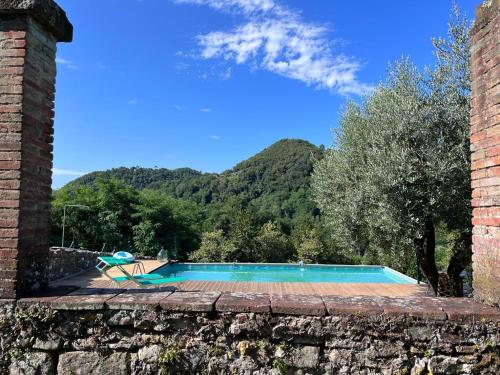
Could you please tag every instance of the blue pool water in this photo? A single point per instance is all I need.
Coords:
(285, 273)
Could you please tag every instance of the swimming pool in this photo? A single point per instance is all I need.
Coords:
(285, 273)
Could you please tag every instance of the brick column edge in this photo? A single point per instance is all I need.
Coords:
(29, 32)
(485, 148)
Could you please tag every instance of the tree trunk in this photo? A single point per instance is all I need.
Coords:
(461, 258)
(426, 252)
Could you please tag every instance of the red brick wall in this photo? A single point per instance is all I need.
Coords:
(27, 75)
(485, 147)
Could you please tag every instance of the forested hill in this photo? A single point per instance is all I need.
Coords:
(138, 177)
(273, 176)
(201, 216)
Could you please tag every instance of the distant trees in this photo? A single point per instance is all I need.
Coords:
(109, 217)
(248, 213)
(401, 164)
(214, 248)
(120, 217)
(310, 249)
(165, 222)
(145, 238)
(275, 183)
(272, 245)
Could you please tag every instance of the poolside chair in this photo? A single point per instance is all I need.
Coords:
(142, 280)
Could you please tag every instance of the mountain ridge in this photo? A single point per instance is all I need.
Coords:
(274, 183)
(156, 175)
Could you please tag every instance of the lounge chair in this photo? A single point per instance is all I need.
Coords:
(142, 280)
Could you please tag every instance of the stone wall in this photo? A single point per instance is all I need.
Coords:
(485, 146)
(65, 262)
(206, 333)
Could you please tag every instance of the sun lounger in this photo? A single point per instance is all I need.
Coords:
(150, 279)
(142, 280)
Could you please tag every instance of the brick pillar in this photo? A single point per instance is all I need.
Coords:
(29, 31)
(485, 146)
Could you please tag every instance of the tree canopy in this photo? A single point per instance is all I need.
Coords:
(401, 164)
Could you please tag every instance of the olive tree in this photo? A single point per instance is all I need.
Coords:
(401, 163)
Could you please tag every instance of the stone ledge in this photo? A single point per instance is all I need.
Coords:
(7, 302)
(45, 297)
(169, 299)
(298, 305)
(463, 309)
(244, 302)
(84, 299)
(429, 308)
(47, 12)
(138, 299)
(190, 301)
(352, 306)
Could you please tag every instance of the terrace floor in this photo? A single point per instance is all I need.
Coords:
(93, 279)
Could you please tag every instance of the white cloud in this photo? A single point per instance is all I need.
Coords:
(68, 64)
(179, 107)
(216, 137)
(276, 39)
(133, 101)
(65, 172)
(245, 6)
(206, 110)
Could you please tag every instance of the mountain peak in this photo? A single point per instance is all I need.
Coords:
(285, 166)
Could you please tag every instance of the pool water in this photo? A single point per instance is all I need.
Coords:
(285, 273)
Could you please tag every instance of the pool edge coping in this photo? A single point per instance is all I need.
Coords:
(411, 280)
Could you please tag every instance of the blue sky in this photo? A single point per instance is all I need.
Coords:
(207, 83)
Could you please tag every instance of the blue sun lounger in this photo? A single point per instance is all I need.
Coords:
(142, 280)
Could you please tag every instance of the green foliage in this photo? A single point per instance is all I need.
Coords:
(244, 214)
(310, 249)
(139, 178)
(169, 356)
(115, 204)
(109, 218)
(401, 164)
(214, 248)
(281, 366)
(263, 344)
(37, 318)
(16, 354)
(275, 183)
(118, 214)
(242, 235)
(272, 245)
(145, 238)
(166, 222)
(313, 242)
(217, 351)
(445, 239)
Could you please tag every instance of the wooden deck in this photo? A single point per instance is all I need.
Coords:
(321, 289)
(93, 279)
